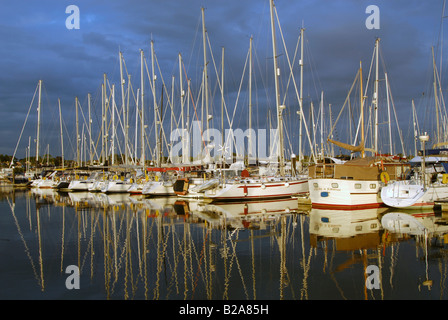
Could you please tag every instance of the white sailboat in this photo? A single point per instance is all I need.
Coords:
(280, 185)
(46, 182)
(426, 183)
(83, 182)
(355, 184)
(117, 184)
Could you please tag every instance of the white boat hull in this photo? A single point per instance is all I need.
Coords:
(158, 188)
(80, 185)
(345, 194)
(97, 186)
(46, 184)
(252, 190)
(116, 186)
(411, 195)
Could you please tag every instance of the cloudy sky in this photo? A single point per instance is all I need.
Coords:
(37, 45)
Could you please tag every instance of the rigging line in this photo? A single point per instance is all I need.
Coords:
(295, 86)
(396, 120)
(314, 72)
(114, 107)
(236, 102)
(85, 123)
(165, 87)
(343, 106)
(195, 111)
(23, 127)
(220, 87)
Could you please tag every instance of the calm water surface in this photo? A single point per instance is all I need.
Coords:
(129, 247)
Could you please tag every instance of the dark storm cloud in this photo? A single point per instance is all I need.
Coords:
(36, 45)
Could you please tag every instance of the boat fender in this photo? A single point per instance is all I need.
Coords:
(385, 177)
(445, 178)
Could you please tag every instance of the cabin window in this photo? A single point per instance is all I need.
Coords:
(357, 186)
(334, 185)
(358, 228)
(315, 185)
(373, 186)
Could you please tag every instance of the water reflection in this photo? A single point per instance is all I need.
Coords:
(132, 247)
(430, 232)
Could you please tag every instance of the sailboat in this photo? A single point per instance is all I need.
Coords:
(279, 185)
(426, 182)
(83, 182)
(355, 184)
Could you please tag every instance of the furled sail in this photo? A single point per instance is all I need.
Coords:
(357, 148)
(440, 144)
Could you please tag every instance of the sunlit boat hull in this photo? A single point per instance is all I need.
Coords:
(345, 194)
(411, 195)
(253, 190)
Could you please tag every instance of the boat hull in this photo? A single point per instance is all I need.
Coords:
(158, 188)
(116, 186)
(412, 195)
(345, 194)
(80, 185)
(258, 190)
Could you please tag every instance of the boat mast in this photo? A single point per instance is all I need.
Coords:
(362, 109)
(105, 127)
(38, 121)
(388, 114)
(204, 31)
(123, 108)
(89, 97)
(415, 131)
(182, 105)
(222, 106)
(302, 30)
(277, 93)
(249, 154)
(157, 118)
(62, 137)
(142, 92)
(77, 134)
(375, 96)
(436, 99)
(113, 126)
(322, 124)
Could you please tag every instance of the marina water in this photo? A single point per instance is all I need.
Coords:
(134, 248)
